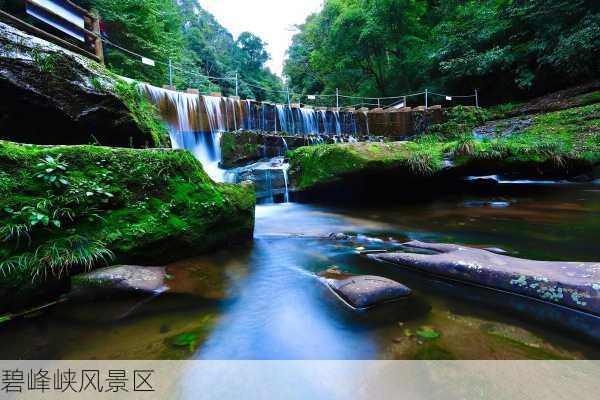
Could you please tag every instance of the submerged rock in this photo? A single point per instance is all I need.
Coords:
(339, 236)
(128, 278)
(365, 292)
(571, 284)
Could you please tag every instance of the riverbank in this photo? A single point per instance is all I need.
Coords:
(71, 208)
(264, 300)
(556, 145)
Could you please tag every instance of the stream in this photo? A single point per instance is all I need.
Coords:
(263, 300)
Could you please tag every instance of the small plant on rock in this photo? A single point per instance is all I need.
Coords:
(52, 171)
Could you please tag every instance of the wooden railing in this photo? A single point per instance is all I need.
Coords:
(91, 39)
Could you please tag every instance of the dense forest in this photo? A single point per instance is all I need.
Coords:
(509, 49)
(180, 30)
(192, 38)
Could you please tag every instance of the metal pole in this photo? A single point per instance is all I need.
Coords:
(405, 103)
(170, 73)
(378, 103)
(426, 99)
(236, 84)
(337, 98)
(476, 98)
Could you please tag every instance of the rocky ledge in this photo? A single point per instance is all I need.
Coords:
(557, 145)
(59, 97)
(71, 208)
(571, 284)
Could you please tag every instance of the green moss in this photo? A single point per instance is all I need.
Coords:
(559, 137)
(590, 98)
(240, 147)
(142, 206)
(460, 121)
(555, 140)
(430, 351)
(527, 351)
(144, 113)
(318, 165)
(227, 145)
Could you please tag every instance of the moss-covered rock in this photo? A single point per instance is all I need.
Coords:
(54, 96)
(555, 145)
(67, 208)
(245, 147)
(316, 166)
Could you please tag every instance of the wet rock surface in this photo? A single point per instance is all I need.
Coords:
(124, 278)
(63, 91)
(364, 292)
(571, 284)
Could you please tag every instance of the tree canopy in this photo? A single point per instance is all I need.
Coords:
(192, 39)
(509, 49)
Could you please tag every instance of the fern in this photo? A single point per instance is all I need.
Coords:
(57, 258)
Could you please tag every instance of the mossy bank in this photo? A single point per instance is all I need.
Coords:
(564, 144)
(67, 208)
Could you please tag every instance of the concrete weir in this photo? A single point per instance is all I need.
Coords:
(196, 122)
(191, 112)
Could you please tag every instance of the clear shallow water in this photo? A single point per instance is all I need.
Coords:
(262, 301)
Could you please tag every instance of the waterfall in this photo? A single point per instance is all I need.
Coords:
(218, 125)
(182, 112)
(367, 122)
(281, 118)
(231, 105)
(286, 195)
(285, 146)
(309, 121)
(338, 126)
(249, 115)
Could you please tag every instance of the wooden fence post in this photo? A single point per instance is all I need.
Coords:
(98, 41)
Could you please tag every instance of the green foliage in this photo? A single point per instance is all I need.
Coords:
(132, 205)
(52, 171)
(507, 49)
(428, 333)
(460, 122)
(317, 165)
(185, 33)
(143, 112)
(188, 340)
(45, 62)
(554, 141)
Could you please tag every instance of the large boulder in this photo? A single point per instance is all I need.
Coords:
(245, 147)
(571, 284)
(54, 96)
(67, 208)
(364, 292)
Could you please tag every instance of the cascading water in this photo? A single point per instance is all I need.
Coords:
(196, 123)
(336, 120)
(367, 122)
(218, 125)
(182, 113)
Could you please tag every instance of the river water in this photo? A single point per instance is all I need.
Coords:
(263, 301)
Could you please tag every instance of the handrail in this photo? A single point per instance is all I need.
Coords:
(48, 36)
(54, 14)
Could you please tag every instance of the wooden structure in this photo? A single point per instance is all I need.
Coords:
(66, 17)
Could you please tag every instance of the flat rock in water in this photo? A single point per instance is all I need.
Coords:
(571, 284)
(368, 291)
(125, 278)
